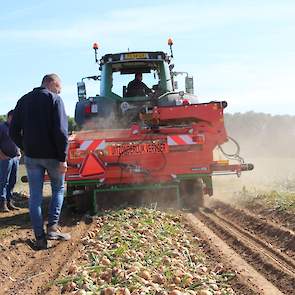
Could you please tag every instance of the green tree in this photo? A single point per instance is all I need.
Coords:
(72, 124)
(262, 135)
(2, 118)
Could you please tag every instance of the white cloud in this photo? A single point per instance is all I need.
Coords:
(150, 20)
(245, 83)
(249, 86)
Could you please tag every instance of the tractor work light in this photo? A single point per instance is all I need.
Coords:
(88, 109)
(95, 45)
(170, 41)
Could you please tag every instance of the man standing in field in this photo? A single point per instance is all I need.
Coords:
(40, 128)
(9, 161)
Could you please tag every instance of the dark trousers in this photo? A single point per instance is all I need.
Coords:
(8, 175)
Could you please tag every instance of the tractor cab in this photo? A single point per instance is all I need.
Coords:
(119, 69)
(115, 106)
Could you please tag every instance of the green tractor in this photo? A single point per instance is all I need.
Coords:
(114, 107)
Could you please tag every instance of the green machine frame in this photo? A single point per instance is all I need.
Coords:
(97, 187)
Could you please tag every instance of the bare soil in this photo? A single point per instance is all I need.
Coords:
(283, 218)
(257, 246)
(249, 281)
(24, 270)
(270, 230)
(266, 246)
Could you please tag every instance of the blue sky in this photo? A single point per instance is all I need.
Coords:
(240, 51)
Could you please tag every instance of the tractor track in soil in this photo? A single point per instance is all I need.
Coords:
(277, 267)
(277, 235)
(283, 218)
(34, 272)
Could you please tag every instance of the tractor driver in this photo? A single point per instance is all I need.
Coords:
(136, 87)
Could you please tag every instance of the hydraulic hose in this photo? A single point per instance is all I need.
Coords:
(234, 156)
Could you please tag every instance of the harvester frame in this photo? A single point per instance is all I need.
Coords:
(168, 143)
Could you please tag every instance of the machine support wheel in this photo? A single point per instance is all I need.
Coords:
(69, 200)
(192, 193)
(78, 199)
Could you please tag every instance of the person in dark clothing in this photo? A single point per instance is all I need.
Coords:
(136, 87)
(9, 162)
(40, 128)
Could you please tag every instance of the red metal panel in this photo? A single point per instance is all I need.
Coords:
(204, 121)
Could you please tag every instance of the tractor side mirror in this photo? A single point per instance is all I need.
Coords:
(189, 84)
(124, 91)
(175, 84)
(81, 90)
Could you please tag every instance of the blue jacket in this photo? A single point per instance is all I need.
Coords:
(40, 125)
(7, 146)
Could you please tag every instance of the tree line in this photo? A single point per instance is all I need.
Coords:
(262, 135)
(258, 134)
(71, 122)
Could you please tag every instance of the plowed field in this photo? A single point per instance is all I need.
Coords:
(218, 250)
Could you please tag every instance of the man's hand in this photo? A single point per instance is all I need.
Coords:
(63, 167)
(3, 156)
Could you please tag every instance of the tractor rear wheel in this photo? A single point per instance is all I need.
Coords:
(192, 193)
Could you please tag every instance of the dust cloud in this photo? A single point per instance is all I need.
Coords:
(98, 123)
(264, 140)
(269, 143)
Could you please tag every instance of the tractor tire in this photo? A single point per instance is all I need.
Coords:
(80, 112)
(192, 194)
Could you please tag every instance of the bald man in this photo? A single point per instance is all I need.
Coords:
(40, 128)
